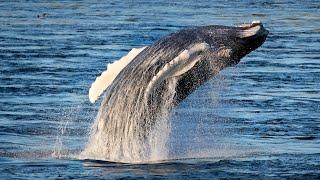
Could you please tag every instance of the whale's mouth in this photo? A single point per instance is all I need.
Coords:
(255, 28)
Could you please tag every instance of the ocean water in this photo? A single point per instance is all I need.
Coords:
(259, 119)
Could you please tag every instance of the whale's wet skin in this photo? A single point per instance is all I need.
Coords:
(131, 125)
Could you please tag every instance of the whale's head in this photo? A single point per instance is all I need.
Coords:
(226, 46)
(233, 43)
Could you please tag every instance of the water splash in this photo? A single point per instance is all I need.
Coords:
(133, 137)
(58, 147)
(160, 135)
(70, 118)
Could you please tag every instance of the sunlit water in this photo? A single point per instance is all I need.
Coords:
(259, 119)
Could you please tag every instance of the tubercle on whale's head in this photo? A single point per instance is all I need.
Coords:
(233, 43)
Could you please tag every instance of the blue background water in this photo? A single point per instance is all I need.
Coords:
(259, 119)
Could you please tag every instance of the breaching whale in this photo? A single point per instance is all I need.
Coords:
(144, 85)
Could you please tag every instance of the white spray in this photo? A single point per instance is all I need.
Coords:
(136, 135)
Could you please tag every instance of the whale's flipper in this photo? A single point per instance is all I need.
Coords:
(179, 65)
(105, 79)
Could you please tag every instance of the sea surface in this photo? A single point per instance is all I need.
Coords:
(258, 120)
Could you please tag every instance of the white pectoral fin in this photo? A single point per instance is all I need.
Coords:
(178, 66)
(105, 79)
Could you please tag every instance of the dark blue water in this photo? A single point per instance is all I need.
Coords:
(257, 120)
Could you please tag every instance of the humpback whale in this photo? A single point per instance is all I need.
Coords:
(143, 86)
